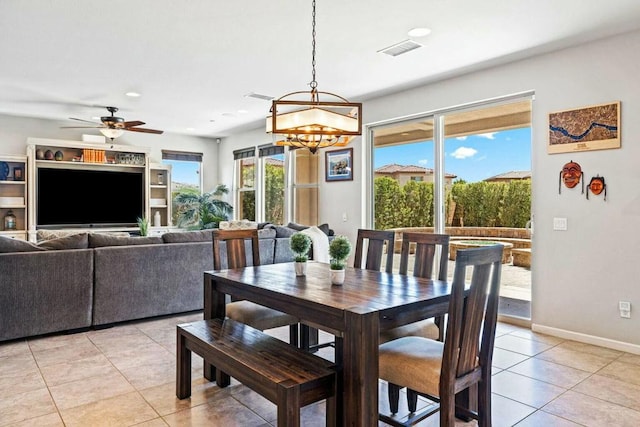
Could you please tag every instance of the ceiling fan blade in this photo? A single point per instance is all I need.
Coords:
(81, 127)
(82, 120)
(143, 130)
(131, 124)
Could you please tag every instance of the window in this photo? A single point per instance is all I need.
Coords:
(417, 178)
(245, 179)
(305, 186)
(185, 175)
(273, 183)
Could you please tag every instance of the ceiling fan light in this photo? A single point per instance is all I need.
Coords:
(111, 133)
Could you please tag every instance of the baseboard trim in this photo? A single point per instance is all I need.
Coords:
(587, 339)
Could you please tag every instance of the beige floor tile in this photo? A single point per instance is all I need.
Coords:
(49, 420)
(60, 340)
(592, 412)
(22, 406)
(625, 372)
(14, 349)
(151, 375)
(158, 422)
(506, 328)
(61, 373)
(81, 392)
(20, 382)
(124, 410)
(611, 390)
(65, 353)
(536, 336)
(543, 419)
(258, 404)
(504, 359)
(10, 365)
(603, 352)
(552, 373)
(223, 412)
(163, 397)
(574, 359)
(521, 345)
(111, 345)
(506, 412)
(140, 356)
(524, 389)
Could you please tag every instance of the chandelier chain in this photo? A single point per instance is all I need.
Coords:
(313, 83)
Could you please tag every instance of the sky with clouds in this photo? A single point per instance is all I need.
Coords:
(472, 158)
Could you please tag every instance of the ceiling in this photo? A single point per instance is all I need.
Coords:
(193, 62)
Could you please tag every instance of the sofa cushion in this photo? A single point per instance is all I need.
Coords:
(188, 236)
(267, 233)
(101, 240)
(74, 241)
(324, 227)
(282, 231)
(298, 227)
(8, 245)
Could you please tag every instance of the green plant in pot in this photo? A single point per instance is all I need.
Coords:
(300, 244)
(339, 250)
(143, 226)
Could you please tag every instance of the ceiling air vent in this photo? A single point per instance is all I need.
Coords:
(259, 96)
(400, 48)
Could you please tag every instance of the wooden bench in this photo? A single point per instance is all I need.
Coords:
(287, 376)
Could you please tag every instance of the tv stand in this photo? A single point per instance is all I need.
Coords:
(62, 154)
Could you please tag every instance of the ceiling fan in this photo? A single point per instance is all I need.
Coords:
(112, 126)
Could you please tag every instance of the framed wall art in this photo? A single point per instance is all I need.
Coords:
(339, 165)
(596, 127)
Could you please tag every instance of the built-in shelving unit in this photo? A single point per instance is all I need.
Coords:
(13, 195)
(160, 194)
(51, 153)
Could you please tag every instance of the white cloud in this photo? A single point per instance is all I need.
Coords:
(490, 135)
(464, 152)
(423, 162)
(461, 138)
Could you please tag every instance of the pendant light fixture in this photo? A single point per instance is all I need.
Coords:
(313, 122)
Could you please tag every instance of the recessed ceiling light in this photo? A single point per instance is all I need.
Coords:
(419, 32)
(191, 129)
(242, 111)
(95, 118)
(228, 115)
(133, 94)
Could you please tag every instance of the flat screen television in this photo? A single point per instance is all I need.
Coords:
(88, 198)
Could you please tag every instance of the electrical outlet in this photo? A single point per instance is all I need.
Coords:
(344, 217)
(560, 224)
(625, 309)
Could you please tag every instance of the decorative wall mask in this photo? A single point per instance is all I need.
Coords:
(597, 186)
(571, 175)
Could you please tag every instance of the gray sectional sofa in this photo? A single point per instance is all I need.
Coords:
(93, 280)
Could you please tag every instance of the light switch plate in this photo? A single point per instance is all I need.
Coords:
(560, 224)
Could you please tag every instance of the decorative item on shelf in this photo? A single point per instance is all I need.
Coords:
(58, 156)
(339, 250)
(143, 226)
(48, 155)
(157, 221)
(39, 154)
(160, 178)
(130, 159)
(314, 123)
(571, 174)
(597, 186)
(18, 173)
(4, 171)
(9, 221)
(300, 244)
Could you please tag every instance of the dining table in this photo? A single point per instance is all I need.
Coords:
(367, 303)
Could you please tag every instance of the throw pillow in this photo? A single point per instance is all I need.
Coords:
(267, 233)
(298, 227)
(324, 228)
(53, 234)
(100, 240)
(8, 245)
(75, 241)
(283, 231)
(188, 236)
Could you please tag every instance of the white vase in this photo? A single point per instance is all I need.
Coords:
(301, 268)
(337, 277)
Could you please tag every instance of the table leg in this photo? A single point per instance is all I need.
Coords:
(360, 369)
(214, 308)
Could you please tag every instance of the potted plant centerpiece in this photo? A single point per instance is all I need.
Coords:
(300, 244)
(339, 250)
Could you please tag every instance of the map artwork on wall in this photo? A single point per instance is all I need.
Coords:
(588, 128)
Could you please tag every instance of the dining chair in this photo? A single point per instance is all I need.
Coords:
(376, 241)
(440, 371)
(247, 312)
(425, 246)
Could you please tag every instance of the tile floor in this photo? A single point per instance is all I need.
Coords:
(124, 376)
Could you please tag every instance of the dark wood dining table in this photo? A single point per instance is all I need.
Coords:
(368, 302)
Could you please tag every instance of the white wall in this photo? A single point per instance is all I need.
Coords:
(14, 132)
(579, 275)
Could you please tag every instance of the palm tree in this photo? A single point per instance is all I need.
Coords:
(203, 211)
